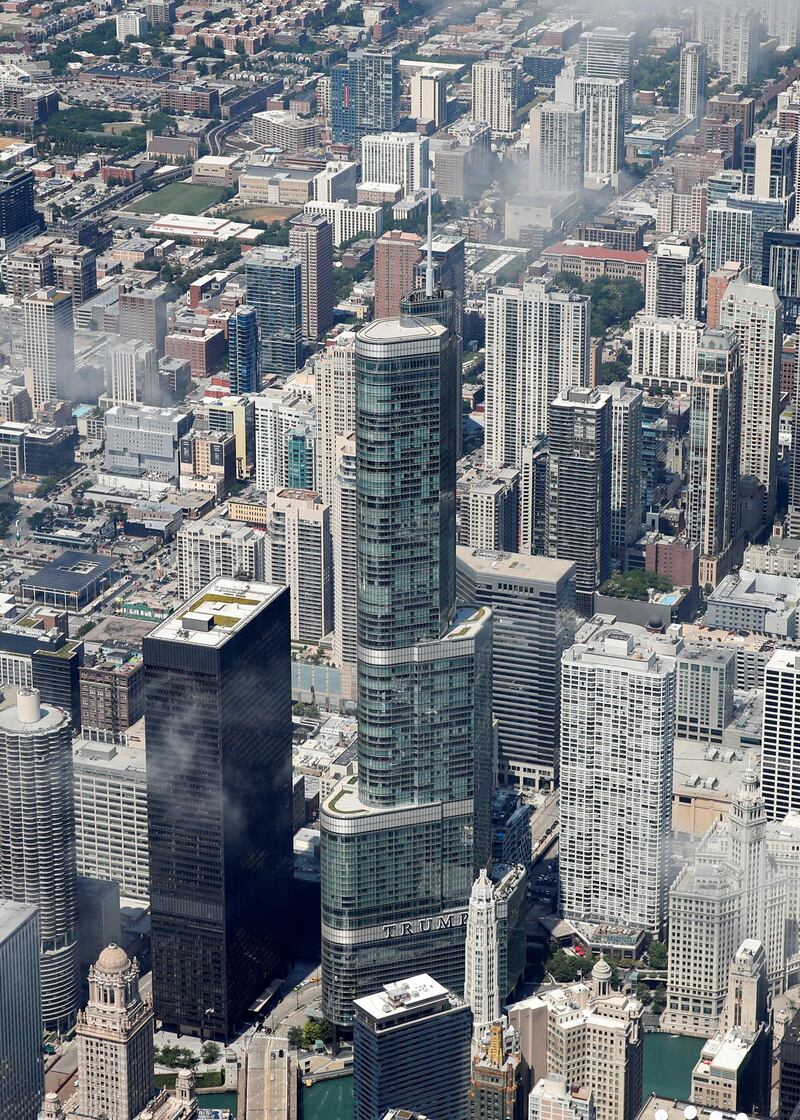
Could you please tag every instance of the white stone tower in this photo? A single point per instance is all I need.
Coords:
(481, 972)
(115, 1041)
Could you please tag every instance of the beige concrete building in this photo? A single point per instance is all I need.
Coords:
(299, 555)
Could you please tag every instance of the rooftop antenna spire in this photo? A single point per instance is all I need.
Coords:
(429, 266)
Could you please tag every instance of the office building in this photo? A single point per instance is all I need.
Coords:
(349, 221)
(789, 1093)
(497, 1083)
(532, 599)
(557, 147)
(626, 466)
(411, 1043)
(20, 1011)
(769, 163)
(134, 372)
(481, 971)
(712, 516)
(553, 1099)
(112, 690)
(589, 1035)
(692, 81)
(298, 553)
(244, 350)
(704, 692)
(218, 682)
(365, 95)
(277, 128)
(537, 346)
(607, 52)
(429, 96)
(398, 159)
(110, 798)
(115, 1041)
(18, 218)
(275, 289)
(603, 103)
(143, 316)
(144, 440)
(732, 889)
(487, 505)
(396, 254)
(496, 88)
(424, 770)
(733, 1070)
(754, 314)
(286, 440)
(765, 214)
(758, 602)
(617, 736)
(216, 547)
(311, 237)
(674, 279)
(49, 346)
(37, 858)
(335, 373)
(579, 487)
(780, 746)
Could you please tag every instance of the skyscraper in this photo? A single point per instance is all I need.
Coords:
(411, 1043)
(496, 1089)
(344, 528)
(244, 351)
(429, 96)
(481, 971)
(769, 163)
(692, 87)
(674, 279)
(298, 554)
(424, 769)
(754, 313)
(275, 289)
(579, 488)
(537, 345)
(557, 146)
(496, 86)
(603, 103)
(311, 237)
(18, 218)
(729, 236)
(532, 599)
(49, 345)
(335, 372)
(607, 52)
(712, 516)
(20, 1011)
(765, 214)
(115, 1041)
(396, 158)
(365, 95)
(617, 737)
(396, 253)
(626, 466)
(780, 745)
(143, 315)
(37, 857)
(730, 34)
(219, 801)
(134, 372)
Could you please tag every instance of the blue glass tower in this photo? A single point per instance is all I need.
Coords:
(274, 289)
(365, 95)
(244, 358)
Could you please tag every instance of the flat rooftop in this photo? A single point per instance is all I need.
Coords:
(514, 564)
(407, 329)
(71, 571)
(110, 759)
(13, 915)
(404, 995)
(668, 1108)
(216, 613)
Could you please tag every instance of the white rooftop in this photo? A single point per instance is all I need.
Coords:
(217, 612)
(403, 995)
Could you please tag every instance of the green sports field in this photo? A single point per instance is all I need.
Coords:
(177, 198)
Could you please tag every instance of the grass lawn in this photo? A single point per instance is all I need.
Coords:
(263, 213)
(177, 198)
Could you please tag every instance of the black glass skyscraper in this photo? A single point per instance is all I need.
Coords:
(401, 844)
(219, 780)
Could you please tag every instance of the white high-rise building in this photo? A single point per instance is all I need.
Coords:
(49, 345)
(781, 19)
(299, 555)
(481, 966)
(755, 314)
(607, 52)
(664, 356)
(495, 93)
(217, 547)
(729, 236)
(277, 413)
(780, 744)
(692, 88)
(557, 147)
(396, 158)
(730, 33)
(115, 1041)
(429, 96)
(20, 1012)
(37, 856)
(335, 372)
(617, 734)
(537, 345)
(733, 889)
(626, 466)
(134, 371)
(674, 279)
(603, 102)
(553, 1099)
